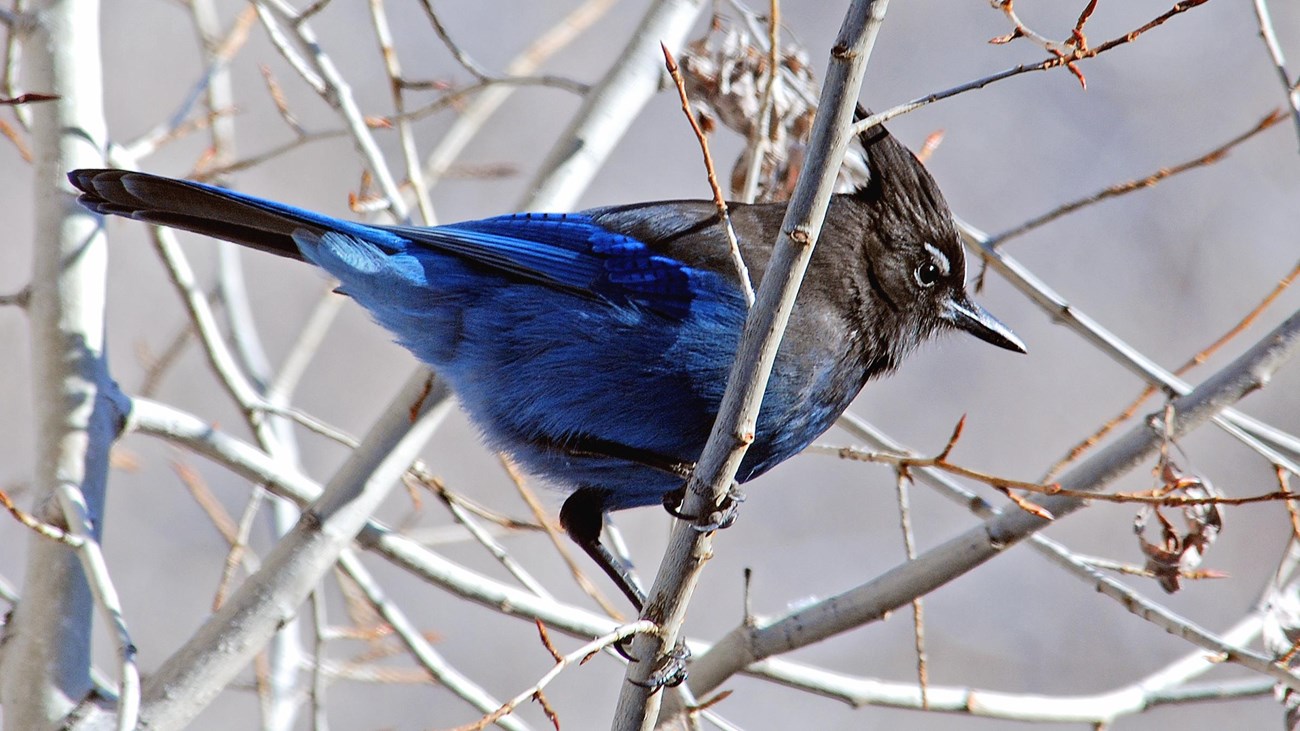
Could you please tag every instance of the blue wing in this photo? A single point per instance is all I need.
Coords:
(571, 251)
(566, 251)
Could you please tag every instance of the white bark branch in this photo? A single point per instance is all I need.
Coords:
(688, 548)
(1060, 310)
(874, 599)
(611, 106)
(189, 679)
(46, 670)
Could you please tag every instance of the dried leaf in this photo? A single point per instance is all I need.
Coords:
(727, 73)
(1179, 553)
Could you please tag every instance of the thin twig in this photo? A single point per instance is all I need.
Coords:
(239, 548)
(203, 319)
(485, 539)
(579, 655)
(330, 84)
(1267, 34)
(414, 170)
(1191, 363)
(316, 693)
(737, 260)
(280, 101)
(471, 119)
(14, 136)
(17, 26)
(1129, 186)
(918, 618)
(457, 52)
(557, 540)
(1046, 64)
(308, 341)
(1292, 508)
(1127, 569)
(310, 10)
(420, 649)
(30, 521)
(907, 462)
(763, 135)
(218, 171)
(1262, 438)
(208, 502)
(77, 514)
(309, 422)
(1020, 30)
(16, 299)
(157, 366)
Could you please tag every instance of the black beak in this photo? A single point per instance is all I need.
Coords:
(963, 314)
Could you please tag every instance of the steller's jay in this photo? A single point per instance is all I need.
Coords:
(594, 347)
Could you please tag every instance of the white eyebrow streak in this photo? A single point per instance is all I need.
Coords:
(940, 260)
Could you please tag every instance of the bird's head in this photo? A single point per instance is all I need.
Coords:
(916, 266)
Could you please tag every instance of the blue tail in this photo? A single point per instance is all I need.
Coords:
(211, 211)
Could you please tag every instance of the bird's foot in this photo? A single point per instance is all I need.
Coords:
(671, 671)
(722, 517)
(726, 513)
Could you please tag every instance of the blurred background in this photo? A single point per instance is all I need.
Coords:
(1168, 269)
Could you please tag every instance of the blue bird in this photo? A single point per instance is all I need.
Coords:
(594, 347)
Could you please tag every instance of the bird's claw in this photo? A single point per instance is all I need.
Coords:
(722, 517)
(727, 512)
(670, 673)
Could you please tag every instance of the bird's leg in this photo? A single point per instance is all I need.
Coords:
(583, 517)
(722, 517)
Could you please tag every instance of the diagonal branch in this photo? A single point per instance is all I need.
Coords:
(1269, 36)
(893, 589)
(219, 650)
(732, 431)
(1063, 59)
(1275, 445)
(610, 106)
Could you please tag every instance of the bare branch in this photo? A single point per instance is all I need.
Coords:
(404, 132)
(610, 107)
(472, 117)
(325, 77)
(1119, 189)
(876, 598)
(45, 670)
(638, 707)
(1065, 59)
(189, 679)
(420, 648)
(561, 662)
(1275, 445)
(1269, 36)
(742, 271)
(1196, 360)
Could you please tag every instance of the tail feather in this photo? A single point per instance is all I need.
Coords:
(196, 207)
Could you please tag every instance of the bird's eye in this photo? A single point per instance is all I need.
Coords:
(927, 274)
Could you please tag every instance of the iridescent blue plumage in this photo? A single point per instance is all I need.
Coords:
(594, 347)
